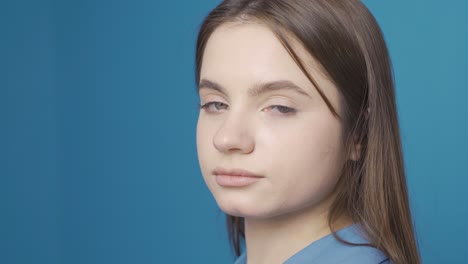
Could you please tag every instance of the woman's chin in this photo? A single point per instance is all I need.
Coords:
(250, 211)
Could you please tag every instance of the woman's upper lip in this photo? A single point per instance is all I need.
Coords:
(234, 172)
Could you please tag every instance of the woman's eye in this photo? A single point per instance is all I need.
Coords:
(217, 106)
(283, 109)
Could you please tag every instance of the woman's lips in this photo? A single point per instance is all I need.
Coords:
(235, 177)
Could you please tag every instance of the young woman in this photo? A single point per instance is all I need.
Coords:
(298, 137)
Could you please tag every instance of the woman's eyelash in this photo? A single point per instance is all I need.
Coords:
(209, 104)
(281, 108)
(284, 109)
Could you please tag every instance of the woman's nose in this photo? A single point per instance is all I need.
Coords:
(234, 135)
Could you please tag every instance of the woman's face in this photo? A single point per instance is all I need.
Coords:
(284, 132)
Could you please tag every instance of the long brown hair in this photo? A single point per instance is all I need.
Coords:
(345, 39)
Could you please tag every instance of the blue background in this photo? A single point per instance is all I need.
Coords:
(97, 140)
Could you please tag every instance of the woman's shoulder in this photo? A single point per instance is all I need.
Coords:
(331, 251)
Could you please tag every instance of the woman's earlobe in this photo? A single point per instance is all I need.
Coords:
(356, 152)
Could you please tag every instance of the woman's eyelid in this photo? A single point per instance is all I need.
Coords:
(216, 96)
(212, 98)
(263, 102)
(283, 102)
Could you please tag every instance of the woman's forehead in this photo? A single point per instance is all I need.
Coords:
(249, 44)
(254, 43)
(251, 52)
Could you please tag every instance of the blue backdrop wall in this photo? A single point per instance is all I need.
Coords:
(97, 130)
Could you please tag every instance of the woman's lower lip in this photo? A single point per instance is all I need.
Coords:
(235, 181)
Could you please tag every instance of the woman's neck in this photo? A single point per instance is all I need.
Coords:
(275, 240)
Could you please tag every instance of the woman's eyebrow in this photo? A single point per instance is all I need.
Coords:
(258, 89)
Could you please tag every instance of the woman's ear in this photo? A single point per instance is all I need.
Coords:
(356, 149)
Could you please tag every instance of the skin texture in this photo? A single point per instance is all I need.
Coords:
(299, 153)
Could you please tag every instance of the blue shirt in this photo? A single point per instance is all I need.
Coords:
(329, 250)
